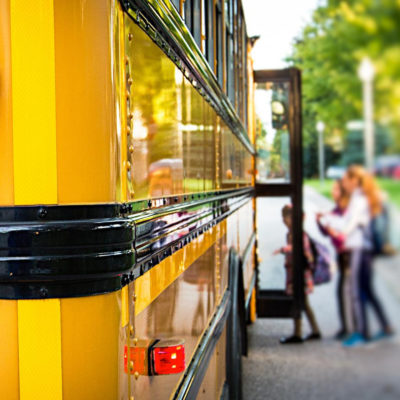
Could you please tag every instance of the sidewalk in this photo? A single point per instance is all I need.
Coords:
(324, 369)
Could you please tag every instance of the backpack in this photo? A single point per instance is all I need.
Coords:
(322, 261)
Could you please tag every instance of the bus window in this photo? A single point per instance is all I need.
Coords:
(229, 50)
(272, 132)
(218, 43)
(176, 4)
(209, 31)
(274, 249)
(192, 19)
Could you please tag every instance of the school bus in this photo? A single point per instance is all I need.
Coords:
(128, 265)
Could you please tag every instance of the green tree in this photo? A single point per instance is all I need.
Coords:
(329, 51)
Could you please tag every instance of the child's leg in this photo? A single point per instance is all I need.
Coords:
(297, 327)
(310, 316)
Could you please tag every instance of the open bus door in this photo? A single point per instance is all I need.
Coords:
(278, 183)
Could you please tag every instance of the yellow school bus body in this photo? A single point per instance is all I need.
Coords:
(85, 96)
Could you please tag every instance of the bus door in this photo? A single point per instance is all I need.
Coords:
(279, 218)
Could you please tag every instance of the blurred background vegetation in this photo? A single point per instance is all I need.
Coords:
(329, 51)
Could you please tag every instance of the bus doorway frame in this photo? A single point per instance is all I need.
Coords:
(276, 303)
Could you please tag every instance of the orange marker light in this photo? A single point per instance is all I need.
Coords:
(137, 360)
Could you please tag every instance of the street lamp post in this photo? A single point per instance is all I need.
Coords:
(366, 72)
(321, 153)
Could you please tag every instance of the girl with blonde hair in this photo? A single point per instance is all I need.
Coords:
(341, 199)
(356, 222)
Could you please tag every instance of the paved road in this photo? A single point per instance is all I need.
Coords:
(325, 370)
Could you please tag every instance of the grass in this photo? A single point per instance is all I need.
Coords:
(390, 186)
(325, 188)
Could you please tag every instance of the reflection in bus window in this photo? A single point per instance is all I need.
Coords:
(166, 177)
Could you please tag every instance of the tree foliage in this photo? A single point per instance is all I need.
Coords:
(329, 51)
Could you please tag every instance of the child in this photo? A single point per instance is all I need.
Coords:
(341, 200)
(308, 281)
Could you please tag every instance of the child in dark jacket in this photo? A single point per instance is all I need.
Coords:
(308, 281)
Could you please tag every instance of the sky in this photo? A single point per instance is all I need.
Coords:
(278, 22)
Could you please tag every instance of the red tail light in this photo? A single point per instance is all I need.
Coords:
(155, 357)
(168, 357)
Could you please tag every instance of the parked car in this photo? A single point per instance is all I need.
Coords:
(387, 165)
(335, 172)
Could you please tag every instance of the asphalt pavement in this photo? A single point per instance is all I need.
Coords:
(321, 369)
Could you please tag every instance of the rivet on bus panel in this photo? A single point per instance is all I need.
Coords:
(134, 297)
(130, 36)
(128, 95)
(131, 366)
(128, 165)
(130, 81)
(128, 130)
(131, 330)
(126, 60)
(135, 340)
(131, 149)
(136, 375)
(132, 193)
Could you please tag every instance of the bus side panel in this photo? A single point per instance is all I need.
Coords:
(92, 339)
(245, 225)
(87, 158)
(215, 376)
(184, 308)
(9, 387)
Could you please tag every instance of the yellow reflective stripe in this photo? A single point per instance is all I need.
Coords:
(33, 101)
(124, 306)
(39, 342)
(150, 285)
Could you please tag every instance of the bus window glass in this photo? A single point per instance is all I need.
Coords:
(275, 249)
(272, 132)
(187, 14)
(196, 21)
(209, 31)
(218, 43)
(176, 4)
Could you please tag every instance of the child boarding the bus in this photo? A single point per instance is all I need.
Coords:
(297, 337)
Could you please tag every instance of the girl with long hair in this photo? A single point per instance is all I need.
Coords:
(324, 221)
(364, 205)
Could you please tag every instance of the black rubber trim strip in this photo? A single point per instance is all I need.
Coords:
(165, 27)
(71, 251)
(157, 256)
(194, 374)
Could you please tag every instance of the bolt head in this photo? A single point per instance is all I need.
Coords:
(42, 212)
